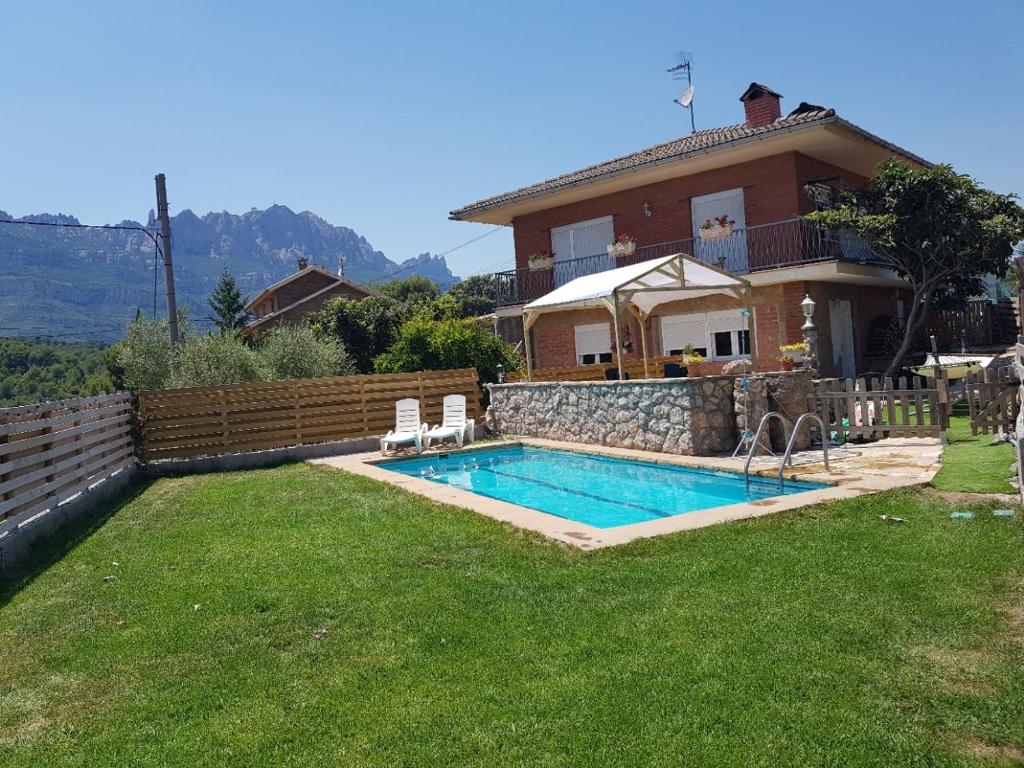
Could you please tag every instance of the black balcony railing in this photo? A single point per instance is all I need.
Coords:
(752, 249)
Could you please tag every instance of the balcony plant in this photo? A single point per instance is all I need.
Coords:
(691, 359)
(624, 245)
(716, 228)
(795, 352)
(541, 261)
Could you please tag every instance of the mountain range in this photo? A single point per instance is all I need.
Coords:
(70, 282)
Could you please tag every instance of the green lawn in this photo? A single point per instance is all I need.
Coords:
(975, 463)
(820, 637)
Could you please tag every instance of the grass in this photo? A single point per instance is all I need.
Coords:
(820, 637)
(974, 463)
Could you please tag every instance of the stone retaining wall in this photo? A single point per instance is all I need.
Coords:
(686, 416)
(701, 416)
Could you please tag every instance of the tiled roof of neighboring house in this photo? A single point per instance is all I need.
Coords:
(701, 142)
(338, 280)
(302, 273)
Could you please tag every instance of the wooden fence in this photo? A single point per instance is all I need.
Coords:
(875, 408)
(210, 421)
(993, 400)
(981, 323)
(52, 451)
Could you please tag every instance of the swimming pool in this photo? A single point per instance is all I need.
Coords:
(600, 491)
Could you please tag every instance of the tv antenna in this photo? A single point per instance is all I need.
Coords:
(683, 69)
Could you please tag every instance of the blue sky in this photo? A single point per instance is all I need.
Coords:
(385, 116)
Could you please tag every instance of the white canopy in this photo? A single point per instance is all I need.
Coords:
(638, 288)
(644, 286)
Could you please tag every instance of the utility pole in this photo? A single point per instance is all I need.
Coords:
(165, 234)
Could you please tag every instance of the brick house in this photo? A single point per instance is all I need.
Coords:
(762, 174)
(300, 294)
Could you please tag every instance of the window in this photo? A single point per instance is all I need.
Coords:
(593, 344)
(722, 332)
(681, 331)
(582, 249)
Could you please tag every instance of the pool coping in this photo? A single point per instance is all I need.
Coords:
(843, 485)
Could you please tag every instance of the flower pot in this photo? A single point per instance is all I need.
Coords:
(539, 265)
(622, 249)
(787, 365)
(716, 233)
(796, 354)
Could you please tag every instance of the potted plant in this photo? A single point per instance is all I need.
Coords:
(716, 228)
(690, 358)
(542, 260)
(624, 245)
(795, 352)
(787, 363)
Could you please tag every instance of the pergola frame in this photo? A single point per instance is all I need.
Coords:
(666, 276)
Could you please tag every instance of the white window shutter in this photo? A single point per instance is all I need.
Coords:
(593, 339)
(678, 331)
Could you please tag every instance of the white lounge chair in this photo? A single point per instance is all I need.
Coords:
(408, 428)
(454, 425)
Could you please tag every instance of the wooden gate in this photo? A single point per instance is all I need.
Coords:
(993, 400)
(876, 408)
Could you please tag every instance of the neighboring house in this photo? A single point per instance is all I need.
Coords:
(763, 174)
(300, 294)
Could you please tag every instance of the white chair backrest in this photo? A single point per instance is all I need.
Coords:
(454, 411)
(407, 415)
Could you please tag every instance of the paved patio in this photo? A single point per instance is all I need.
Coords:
(854, 471)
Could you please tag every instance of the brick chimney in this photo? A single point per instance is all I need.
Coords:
(303, 263)
(761, 105)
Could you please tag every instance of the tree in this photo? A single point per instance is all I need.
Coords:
(297, 352)
(144, 355)
(431, 345)
(366, 327)
(213, 359)
(937, 229)
(228, 305)
(476, 295)
(411, 290)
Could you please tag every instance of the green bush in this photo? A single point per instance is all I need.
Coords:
(425, 344)
(297, 352)
(366, 327)
(144, 355)
(214, 359)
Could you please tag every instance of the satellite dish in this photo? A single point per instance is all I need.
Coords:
(687, 98)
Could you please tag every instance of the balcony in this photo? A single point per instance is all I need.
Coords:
(765, 246)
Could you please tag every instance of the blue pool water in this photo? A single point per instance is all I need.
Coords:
(597, 490)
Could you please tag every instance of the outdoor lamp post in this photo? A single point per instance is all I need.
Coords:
(810, 334)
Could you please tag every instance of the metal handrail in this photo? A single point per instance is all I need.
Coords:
(757, 441)
(749, 249)
(792, 440)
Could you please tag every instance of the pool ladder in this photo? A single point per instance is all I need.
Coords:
(790, 436)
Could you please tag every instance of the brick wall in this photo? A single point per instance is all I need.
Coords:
(770, 190)
(777, 320)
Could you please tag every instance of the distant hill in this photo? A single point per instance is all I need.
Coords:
(88, 283)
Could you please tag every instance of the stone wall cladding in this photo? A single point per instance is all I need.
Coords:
(693, 417)
(785, 392)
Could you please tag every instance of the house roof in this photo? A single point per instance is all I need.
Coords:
(255, 324)
(302, 273)
(696, 144)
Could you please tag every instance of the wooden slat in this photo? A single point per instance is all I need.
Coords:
(214, 420)
(48, 448)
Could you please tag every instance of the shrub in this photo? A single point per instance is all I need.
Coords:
(214, 359)
(366, 327)
(425, 344)
(297, 352)
(143, 357)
